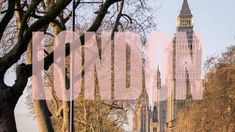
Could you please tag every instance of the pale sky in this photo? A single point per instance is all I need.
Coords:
(214, 19)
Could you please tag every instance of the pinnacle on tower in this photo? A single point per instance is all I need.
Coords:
(188, 87)
(185, 10)
(158, 78)
(155, 113)
(158, 69)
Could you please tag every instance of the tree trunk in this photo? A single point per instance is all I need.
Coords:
(43, 116)
(7, 106)
(66, 117)
(7, 119)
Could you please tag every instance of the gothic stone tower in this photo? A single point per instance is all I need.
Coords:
(183, 74)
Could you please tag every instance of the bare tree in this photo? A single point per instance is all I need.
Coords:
(216, 111)
(22, 17)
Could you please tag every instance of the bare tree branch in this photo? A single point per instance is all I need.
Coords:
(7, 18)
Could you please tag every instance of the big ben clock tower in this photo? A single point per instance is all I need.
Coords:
(183, 74)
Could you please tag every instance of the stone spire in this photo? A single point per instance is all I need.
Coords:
(155, 113)
(188, 87)
(158, 78)
(185, 10)
(184, 19)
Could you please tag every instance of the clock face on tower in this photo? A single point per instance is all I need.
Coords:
(184, 62)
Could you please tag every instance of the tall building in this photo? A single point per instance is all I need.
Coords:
(145, 118)
(150, 117)
(184, 66)
(182, 78)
